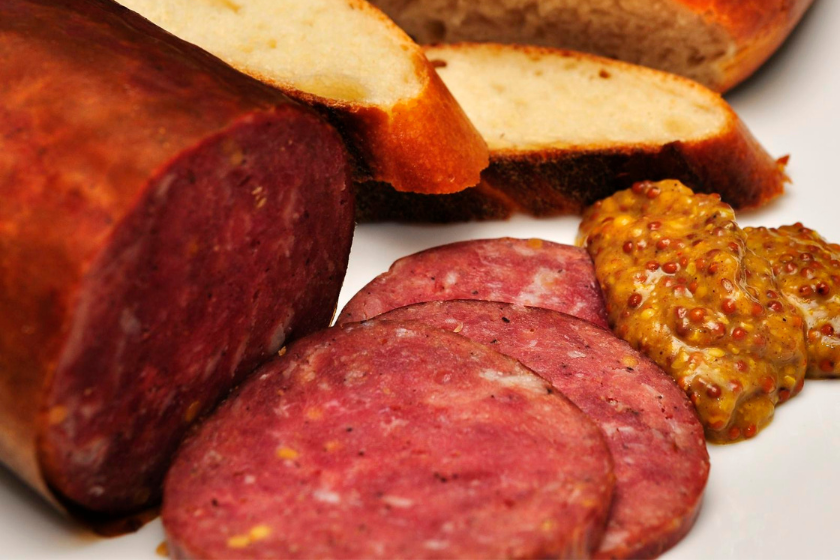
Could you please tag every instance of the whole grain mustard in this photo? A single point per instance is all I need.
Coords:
(807, 268)
(682, 287)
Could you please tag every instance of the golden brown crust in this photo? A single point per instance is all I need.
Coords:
(757, 28)
(422, 145)
(554, 181)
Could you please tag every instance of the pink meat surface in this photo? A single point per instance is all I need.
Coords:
(524, 271)
(383, 440)
(656, 440)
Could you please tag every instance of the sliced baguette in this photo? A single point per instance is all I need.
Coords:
(347, 59)
(719, 43)
(566, 129)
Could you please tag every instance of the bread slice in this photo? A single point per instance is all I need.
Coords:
(346, 58)
(566, 129)
(716, 42)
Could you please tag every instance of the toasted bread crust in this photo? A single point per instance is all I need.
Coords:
(422, 145)
(552, 182)
(757, 28)
(556, 181)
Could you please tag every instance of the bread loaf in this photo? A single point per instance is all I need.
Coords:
(719, 43)
(566, 129)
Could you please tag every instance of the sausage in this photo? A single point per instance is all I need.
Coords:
(656, 440)
(528, 272)
(385, 440)
(683, 287)
(167, 223)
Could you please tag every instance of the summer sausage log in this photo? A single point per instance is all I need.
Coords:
(166, 224)
(654, 435)
(390, 440)
(524, 271)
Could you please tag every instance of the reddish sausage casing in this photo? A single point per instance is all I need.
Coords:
(166, 225)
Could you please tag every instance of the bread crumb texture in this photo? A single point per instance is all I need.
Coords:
(663, 34)
(531, 98)
(335, 49)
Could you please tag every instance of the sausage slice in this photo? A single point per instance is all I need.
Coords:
(656, 440)
(389, 440)
(524, 271)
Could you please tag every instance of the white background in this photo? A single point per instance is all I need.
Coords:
(777, 496)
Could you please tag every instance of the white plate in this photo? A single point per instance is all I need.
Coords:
(776, 496)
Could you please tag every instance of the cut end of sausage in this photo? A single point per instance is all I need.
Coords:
(235, 246)
(390, 440)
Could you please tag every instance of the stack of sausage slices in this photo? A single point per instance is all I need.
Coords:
(470, 403)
